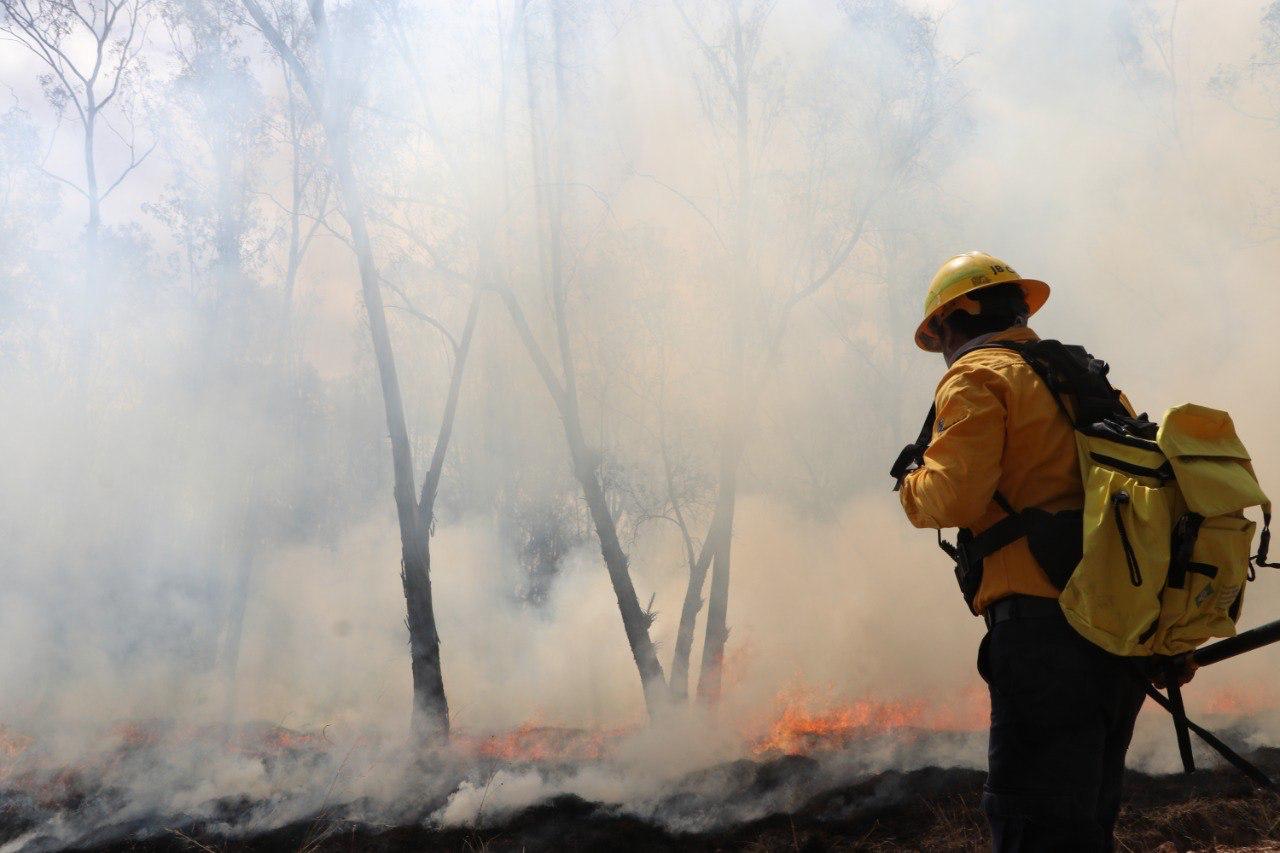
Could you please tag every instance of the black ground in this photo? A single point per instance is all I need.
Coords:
(927, 809)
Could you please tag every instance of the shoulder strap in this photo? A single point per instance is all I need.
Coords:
(926, 430)
(914, 453)
(1079, 385)
(1027, 350)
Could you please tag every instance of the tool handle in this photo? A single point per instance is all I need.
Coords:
(1246, 641)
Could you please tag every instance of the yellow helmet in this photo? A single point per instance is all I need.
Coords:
(963, 275)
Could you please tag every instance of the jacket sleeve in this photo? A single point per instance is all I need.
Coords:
(961, 468)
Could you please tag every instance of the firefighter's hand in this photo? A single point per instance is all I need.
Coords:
(1184, 669)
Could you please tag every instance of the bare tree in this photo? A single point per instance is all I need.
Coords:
(95, 85)
(741, 97)
(318, 82)
(549, 157)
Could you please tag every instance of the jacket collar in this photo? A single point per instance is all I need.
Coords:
(1015, 333)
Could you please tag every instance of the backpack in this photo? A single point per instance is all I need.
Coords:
(1155, 563)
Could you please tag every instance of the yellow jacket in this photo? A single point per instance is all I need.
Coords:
(997, 428)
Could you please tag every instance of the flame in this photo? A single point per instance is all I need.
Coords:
(798, 729)
(13, 747)
(1240, 701)
(533, 742)
(275, 739)
(802, 720)
(137, 734)
(12, 744)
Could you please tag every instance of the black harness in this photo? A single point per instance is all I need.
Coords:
(1056, 539)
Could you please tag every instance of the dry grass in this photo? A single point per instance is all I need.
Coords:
(1206, 823)
(1200, 824)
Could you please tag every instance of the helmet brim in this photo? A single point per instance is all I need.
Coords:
(1035, 291)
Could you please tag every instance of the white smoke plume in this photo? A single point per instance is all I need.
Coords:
(196, 500)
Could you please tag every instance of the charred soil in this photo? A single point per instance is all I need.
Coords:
(925, 809)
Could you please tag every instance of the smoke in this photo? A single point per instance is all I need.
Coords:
(196, 502)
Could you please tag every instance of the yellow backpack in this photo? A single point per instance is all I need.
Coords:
(1156, 563)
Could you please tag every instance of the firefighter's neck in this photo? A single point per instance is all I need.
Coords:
(953, 341)
(956, 343)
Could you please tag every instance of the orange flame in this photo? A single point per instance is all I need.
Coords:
(1239, 701)
(272, 740)
(532, 742)
(799, 729)
(12, 744)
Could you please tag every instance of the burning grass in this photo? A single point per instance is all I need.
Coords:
(533, 743)
(805, 723)
(815, 778)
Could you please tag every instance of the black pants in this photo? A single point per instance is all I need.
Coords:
(1062, 715)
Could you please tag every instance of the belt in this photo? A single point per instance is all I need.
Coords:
(1021, 607)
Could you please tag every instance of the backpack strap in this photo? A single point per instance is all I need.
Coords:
(913, 454)
(968, 568)
(1071, 372)
(1264, 542)
(1004, 532)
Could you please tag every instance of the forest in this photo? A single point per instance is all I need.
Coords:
(417, 412)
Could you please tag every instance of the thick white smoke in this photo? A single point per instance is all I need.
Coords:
(208, 455)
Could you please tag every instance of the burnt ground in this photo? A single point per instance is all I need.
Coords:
(925, 809)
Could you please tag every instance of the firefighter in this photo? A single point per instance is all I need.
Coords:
(1062, 709)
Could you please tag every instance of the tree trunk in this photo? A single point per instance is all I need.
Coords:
(91, 182)
(430, 707)
(635, 621)
(549, 204)
(711, 674)
(689, 617)
(430, 718)
(232, 640)
(297, 194)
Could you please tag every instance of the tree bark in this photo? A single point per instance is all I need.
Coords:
(710, 677)
(635, 621)
(232, 640)
(431, 482)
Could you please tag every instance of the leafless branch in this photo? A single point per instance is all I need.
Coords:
(708, 52)
(431, 483)
(408, 307)
(134, 163)
(691, 203)
(539, 358)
